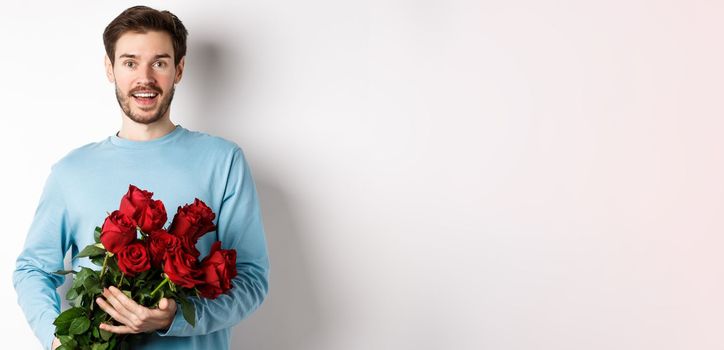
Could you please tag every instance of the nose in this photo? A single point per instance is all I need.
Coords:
(146, 76)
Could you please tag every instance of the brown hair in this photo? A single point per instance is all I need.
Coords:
(141, 19)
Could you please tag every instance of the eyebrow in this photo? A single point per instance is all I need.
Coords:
(128, 55)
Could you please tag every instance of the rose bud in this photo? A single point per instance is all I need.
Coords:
(218, 268)
(193, 221)
(148, 213)
(117, 231)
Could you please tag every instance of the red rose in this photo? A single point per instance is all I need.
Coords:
(218, 268)
(117, 231)
(193, 221)
(160, 243)
(182, 268)
(189, 246)
(133, 259)
(149, 214)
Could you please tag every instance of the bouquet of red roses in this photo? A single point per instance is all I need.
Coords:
(146, 262)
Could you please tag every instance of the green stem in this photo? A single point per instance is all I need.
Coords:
(105, 263)
(163, 283)
(143, 234)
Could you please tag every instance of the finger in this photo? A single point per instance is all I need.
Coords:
(127, 302)
(163, 304)
(162, 311)
(167, 305)
(133, 312)
(116, 329)
(117, 305)
(108, 308)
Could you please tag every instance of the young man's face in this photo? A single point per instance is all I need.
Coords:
(144, 75)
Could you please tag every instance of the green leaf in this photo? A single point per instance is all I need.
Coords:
(93, 285)
(85, 277)
(77, 301)
(63, 321)
(189, 311)
(68, 341)
(98, 260)
(72, 294)
(100, 346)
(84, 342)
(79, 325)
(81, 276)
(105, 335)
(97, 234)
(91, 251)
(78, 285)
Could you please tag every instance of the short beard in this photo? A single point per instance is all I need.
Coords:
(164, 104)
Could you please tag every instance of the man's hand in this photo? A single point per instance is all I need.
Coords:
(134, 317)
(56, 343)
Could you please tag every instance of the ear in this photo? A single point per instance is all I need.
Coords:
(109, 70)
(179, 70)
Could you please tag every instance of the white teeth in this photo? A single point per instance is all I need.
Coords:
(145, 94)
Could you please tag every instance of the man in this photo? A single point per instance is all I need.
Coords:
(145, 59)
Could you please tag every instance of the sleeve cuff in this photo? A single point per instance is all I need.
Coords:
(49, 343)
(50, 337)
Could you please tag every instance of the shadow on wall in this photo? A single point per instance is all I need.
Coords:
(290, 316)
(215, 83)
(209, 80)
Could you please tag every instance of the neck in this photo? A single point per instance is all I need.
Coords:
(133, 131)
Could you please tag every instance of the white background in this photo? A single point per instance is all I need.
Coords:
(433, 174)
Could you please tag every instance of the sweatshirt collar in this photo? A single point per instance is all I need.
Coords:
(126, 143)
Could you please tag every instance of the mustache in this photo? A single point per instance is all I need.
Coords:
(146, 88)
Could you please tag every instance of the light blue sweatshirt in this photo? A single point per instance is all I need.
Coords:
(89, 182)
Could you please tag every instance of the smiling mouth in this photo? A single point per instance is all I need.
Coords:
(145, 98)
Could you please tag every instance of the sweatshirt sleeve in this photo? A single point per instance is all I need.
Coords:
(45, 246)
(239, 227)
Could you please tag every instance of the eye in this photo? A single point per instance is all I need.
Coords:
(159, 64)
(129, 64)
